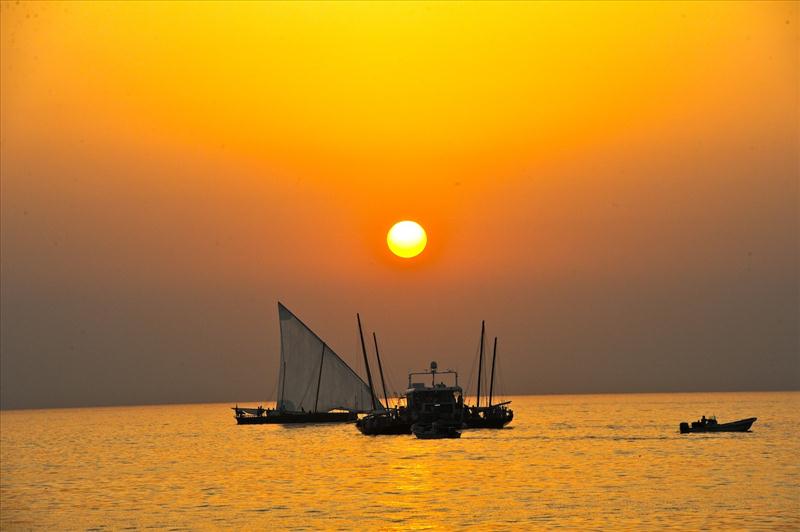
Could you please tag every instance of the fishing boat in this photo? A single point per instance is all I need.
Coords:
(435, 411)
(260, 415)
(315, 385)
(712, 425)
(489, 416)
(384, 420)
(440, 403)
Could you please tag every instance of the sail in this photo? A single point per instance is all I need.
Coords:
(312, 376)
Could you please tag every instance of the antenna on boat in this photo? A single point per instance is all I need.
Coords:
(480, 364)
(380, 368)
(366, 362)
(491, 381)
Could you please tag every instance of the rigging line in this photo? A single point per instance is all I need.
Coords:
(501, 384)
(273, 391)
(393, 391)
(468, 388)
(380, 369)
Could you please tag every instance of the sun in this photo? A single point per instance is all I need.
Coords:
(406, 239)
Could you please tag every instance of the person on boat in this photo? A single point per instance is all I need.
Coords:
(703, 420)
(260, 410)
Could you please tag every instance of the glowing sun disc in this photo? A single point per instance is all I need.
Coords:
(406, 239)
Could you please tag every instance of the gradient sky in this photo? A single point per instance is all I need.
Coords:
(612, 186)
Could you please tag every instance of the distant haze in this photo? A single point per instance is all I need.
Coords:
(612, 187)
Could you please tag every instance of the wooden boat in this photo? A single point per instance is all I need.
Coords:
(388, 422)
(260, 416)
(425, 405)
(315, 384)
(435, 411)
(383, 420)
(490, 416)
(711, 425)
(438, 403)
(435, 431)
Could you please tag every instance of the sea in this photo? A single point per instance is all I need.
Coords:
(574, 462)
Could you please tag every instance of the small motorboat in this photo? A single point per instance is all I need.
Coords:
(711, 425)
(435, 431)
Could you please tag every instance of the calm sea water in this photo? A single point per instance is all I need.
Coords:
(603, 461)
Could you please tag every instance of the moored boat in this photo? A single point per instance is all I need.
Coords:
(711, 425)
(385, 422)
(441, 404)
(494, 416)
(489, 416)
(315, 384)
(260, 416)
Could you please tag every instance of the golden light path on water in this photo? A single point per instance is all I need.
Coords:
(613, 461)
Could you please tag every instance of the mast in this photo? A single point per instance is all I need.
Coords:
(319, 379)
(491, 382)
(283, 384)
(366, 362)
(480, 364)
(380, 368)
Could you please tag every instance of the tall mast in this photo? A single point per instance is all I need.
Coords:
(319, 379)
(380, 368)
(283, 384)
(491, 382)
(366, 362)
(480, 364)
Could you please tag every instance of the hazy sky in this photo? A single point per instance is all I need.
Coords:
(613, 187)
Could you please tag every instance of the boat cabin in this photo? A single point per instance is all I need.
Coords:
(430, 401)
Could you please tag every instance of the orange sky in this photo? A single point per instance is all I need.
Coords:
(610, 184)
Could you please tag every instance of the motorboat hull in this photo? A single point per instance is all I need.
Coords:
(743, 425)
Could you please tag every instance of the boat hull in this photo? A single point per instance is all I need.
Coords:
(487, 418)
(382, 424)
(743, 425)
(286, 418)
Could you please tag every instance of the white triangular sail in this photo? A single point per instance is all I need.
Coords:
(312, 377)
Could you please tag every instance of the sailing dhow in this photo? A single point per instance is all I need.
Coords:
(491, 416)
(315, 385)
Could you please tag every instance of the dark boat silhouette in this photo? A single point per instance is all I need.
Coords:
(489, 416)
(431, 411)
(711, 425)
(315, 384)
(251, 416)
(385, 423)
(383, 420)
